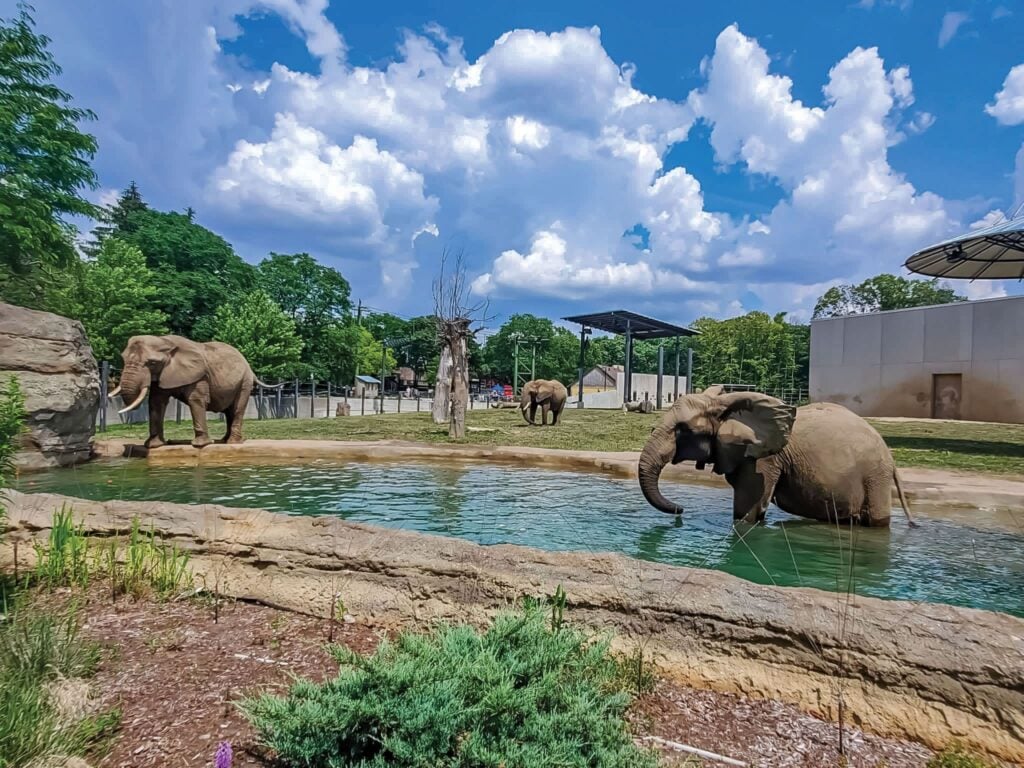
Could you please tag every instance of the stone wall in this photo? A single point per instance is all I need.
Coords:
(54, 363)
(933, 673)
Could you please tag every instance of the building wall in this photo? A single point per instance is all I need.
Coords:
(645, 386)
(883, 364)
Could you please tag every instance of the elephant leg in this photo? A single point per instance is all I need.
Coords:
(229, 418)
(752, 489)
(158, 400)
(544, 414)
(533, 413)
(198, 400)
(555, 413)
(235, 416)
(877, 509)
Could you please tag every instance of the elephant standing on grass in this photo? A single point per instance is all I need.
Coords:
(549, 395)
(206, 377)
(820, 461)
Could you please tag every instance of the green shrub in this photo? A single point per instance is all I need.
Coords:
(516, 696)
(37, 648)
(12, 424)
(956, 756)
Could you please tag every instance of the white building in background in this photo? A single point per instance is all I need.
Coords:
(951, 361)
(603, 387)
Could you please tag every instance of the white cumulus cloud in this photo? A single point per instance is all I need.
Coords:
(1008, 108)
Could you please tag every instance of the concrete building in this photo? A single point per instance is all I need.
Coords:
(368, 385)
(952, 361)
(645, 387)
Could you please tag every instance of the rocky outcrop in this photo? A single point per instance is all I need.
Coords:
(54, 363)
(933, 673)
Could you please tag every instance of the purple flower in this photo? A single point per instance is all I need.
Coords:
(223, 757)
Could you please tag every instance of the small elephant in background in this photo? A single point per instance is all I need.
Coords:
(210, 376)
(549, 395)
(640, 406)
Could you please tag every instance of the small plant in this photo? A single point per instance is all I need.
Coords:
(12, 424)
(636, 673)
(558, 602)
(957, 756)
(223, 757)
(517, 695)
(64, 561)
(37, 649)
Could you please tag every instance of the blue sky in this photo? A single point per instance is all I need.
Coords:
(679, 159)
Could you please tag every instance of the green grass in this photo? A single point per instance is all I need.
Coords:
(518, 695)
(993, 448)
(38, 648)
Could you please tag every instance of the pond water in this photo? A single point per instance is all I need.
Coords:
(939, 561)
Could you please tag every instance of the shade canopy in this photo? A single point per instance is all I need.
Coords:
(991, 253)
(620, 321)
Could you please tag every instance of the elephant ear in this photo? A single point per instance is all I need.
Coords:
(758, 423)
(186, 365)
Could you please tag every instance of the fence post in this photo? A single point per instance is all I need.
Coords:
(259, 402)
(689, 371)
(399, 401)
(661, 376)
(104, 383)
(362, 405)
(278, 397)
(327, 415)
(296, 398)
(177, 411)
(417, 401)
(312, 397)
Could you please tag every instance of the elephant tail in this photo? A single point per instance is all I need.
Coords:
(903, 497)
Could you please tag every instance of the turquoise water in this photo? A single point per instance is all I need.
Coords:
(937, 562)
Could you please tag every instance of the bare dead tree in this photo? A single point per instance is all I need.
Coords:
(455, 317)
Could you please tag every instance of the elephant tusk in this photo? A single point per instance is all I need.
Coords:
(116, 392)
(138, 401)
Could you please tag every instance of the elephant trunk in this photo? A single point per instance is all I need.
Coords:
(656, 454)
(524, 404)
(135, 383)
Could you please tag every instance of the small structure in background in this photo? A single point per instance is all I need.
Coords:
(633, 327)
(367, 385)
(951, 361)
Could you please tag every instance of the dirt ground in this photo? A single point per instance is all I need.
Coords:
(175, 675)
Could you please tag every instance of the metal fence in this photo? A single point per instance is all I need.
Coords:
(295, 399)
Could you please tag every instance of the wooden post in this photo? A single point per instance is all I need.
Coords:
(296, 398)
(327, 414)
(362, 407)
(104, 384)
(312, 397)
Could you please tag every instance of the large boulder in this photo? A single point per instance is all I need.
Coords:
(52, 359)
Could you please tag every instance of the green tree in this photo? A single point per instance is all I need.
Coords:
(45, 159)
(557, 349)
(113, 297)
(114, 219)
(368, 354)
(882, 293)
(195, 270)
(316, 298)
(263, 333)
(12, 424)
(755, 349)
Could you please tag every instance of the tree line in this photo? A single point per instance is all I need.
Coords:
(143, 270)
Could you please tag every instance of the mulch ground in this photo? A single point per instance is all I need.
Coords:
(175, 675)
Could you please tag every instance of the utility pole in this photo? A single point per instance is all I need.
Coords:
(359, 322)
(533, 364)
(515, 365)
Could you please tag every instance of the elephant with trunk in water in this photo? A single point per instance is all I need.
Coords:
(820, 461)
(549, 395)
(206, 377)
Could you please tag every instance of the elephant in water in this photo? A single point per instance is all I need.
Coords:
(206, 377)
(549, 395)
(820, 461)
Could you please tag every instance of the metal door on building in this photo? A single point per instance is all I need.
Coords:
(947, 389)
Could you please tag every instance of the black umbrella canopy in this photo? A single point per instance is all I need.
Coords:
(991, 253)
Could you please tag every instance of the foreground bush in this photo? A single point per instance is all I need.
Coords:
(37, 650)
(517, 696)
(956, 756)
